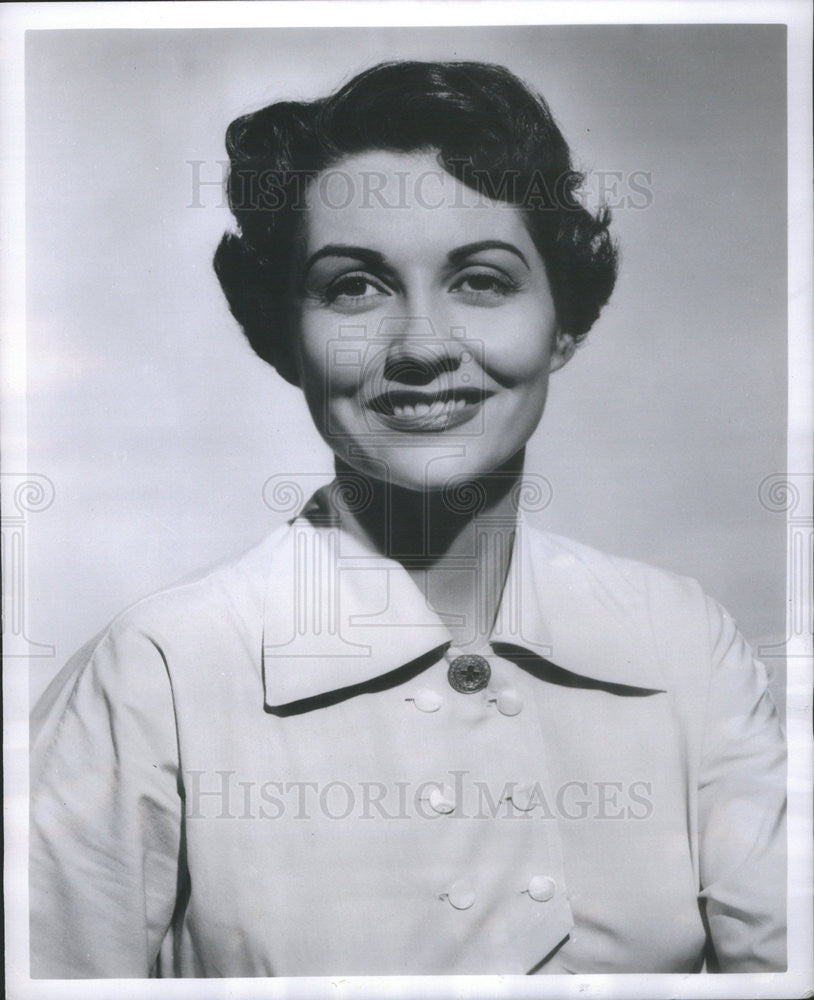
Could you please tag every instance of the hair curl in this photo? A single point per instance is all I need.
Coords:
(487, 129)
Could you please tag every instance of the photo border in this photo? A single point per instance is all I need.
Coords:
(15, 20)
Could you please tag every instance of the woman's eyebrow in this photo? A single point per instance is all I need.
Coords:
(459, 254)
(371, 258)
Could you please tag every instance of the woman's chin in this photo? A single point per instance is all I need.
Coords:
(422, 471)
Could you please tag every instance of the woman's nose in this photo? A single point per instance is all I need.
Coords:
(419, 366)
(416, 353)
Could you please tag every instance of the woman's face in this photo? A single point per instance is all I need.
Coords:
(426, 324)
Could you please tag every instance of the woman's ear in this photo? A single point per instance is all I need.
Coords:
(564, 347)
(285, 359)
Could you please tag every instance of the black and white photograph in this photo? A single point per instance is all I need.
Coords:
(406, 481)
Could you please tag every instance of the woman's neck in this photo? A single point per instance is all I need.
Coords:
(456, 543)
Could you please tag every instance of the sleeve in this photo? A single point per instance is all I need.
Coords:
(105, 820)
(741, 815)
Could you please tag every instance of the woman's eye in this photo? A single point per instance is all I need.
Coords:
(353, 290)
(484, 287)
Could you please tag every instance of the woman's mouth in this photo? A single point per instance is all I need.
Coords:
(422, 410)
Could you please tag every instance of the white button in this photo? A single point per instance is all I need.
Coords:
(427, 700)
(509, 702)
(525, 797)
(461, 894)
(442, 800)
(541, 888)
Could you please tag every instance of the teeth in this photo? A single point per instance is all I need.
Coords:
(438, 408)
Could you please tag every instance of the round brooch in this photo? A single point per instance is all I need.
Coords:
(469, 673)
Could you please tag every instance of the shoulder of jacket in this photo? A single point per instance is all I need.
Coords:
(235, 583)
(660, 587)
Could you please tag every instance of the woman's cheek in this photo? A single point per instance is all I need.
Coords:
(522, 357)
(517, 340)
(314, 350)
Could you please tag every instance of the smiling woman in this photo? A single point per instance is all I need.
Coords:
(407, 733)
(461, 263)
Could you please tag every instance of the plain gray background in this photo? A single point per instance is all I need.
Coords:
(157, 425)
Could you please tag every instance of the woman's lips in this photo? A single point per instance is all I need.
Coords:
(412, 410)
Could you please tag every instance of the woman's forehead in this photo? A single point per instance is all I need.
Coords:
(390, 198)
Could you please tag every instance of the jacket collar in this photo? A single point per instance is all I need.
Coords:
(574, 607)
(339, 614)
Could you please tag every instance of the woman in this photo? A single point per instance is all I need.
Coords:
(406, 733)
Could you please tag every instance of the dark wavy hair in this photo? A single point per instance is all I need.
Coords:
(487, 129)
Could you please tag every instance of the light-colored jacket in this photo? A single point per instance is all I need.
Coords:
(266, 772)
